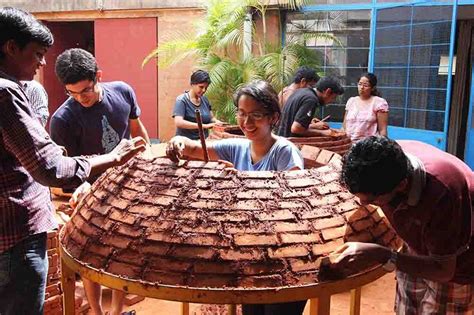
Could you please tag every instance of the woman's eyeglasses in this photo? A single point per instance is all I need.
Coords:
(255, 116)
(87, 90)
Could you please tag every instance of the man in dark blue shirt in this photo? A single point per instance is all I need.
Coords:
(93, 120)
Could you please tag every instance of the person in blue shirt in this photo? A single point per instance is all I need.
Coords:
(258, 111)
(187, 103)
(93, 120)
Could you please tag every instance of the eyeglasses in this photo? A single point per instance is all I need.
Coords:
(87, 90)
(255, 116)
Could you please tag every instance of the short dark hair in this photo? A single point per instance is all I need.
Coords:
(374, 165)
(23, 28)
(372, 81)
(74, 65)
(307, 73)
(329, 83)
(263, 93)
(200, 76)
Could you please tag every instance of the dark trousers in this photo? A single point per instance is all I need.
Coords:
(23, 271)
(291, 308)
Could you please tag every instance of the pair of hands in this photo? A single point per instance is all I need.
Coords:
(121, 154)
(318, 124)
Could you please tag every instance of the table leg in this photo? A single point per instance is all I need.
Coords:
(184, 308)
(232, 309)
(68, 282)
(320, 305)
(355, 301)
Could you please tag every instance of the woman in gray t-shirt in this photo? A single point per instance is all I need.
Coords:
(187, 103)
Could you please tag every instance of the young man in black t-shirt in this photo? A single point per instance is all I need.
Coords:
(299, 110)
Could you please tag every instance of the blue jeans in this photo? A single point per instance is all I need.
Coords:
(23, 271)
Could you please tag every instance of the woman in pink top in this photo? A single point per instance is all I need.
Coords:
(367, 114)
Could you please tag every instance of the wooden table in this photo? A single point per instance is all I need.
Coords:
(319, 294)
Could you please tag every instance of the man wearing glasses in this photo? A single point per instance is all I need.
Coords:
(93, 120)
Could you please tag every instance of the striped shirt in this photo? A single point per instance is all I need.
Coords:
(38, 99)
(29, 162)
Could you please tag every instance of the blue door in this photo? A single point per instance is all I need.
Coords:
(412, 56)
(469, 148)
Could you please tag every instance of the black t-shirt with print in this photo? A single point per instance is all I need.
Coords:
(299, 107)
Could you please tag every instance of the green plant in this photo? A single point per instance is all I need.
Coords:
(219, 47)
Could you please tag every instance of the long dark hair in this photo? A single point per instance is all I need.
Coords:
(372, 81)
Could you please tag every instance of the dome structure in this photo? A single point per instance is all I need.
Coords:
(199, 225)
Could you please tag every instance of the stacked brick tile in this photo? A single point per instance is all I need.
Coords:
(54, 296)
(340, 143)
(200, 225)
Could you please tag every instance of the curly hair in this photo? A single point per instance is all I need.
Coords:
(74, 65)
(375, 165)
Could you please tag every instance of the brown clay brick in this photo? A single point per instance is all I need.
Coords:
(324, 201)
(100, 249)
(164, 277)
(378, 230)
(317, 213)
(291, 227)
(329, 188)
(296, 194)
(210, 228)
(241, 254)
(302, 182)
(122, 217)
(298, 265)
(363, 236)
(292, 205)
(268, 267)
(193, 252)
(214, 267)
(288, 251)
(333, 233)
(326, 248)
(321, 224)
(362, 225)
(129, 231)
(234, 216)
(145, 210)
(255, 239)
(261, 184)
(161, 263)
(292, 238)
(275, 215)
(153, 248)
(261, 194)
(116, 241)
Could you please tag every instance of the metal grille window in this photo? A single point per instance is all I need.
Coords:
(344, 51)
(411, 55)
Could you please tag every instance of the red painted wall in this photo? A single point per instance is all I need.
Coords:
(66, 35)
(120, 47)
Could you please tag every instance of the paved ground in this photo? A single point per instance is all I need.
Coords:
(377, 298)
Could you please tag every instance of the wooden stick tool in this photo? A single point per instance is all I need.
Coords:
(201, 135)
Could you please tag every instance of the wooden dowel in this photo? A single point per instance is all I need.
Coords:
(201, 135)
